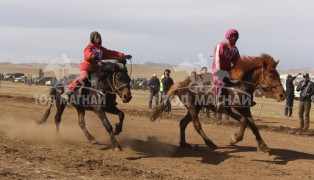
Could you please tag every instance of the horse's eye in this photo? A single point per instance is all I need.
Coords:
(271, 76)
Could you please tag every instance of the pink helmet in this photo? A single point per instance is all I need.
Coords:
(231, 31)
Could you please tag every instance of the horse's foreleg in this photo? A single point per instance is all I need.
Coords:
(81, 121)
(183, 124)
(108, 127)
(261, 146)
(236, 137)
(118, 126)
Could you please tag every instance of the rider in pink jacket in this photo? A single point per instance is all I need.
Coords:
(226, 56)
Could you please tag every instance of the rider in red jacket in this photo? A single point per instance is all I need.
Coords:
(93, 53)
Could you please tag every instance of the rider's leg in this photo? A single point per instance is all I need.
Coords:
(222, 96)
(79, 81)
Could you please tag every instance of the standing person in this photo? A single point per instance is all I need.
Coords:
(206, 81)
(93, 53)
(167, 82)
(153, 85)
(289, 94)
(226, 56)
(306, 89)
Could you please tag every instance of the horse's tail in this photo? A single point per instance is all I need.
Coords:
(157, 110)
(52, 96)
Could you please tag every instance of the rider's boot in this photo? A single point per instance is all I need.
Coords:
(66, 94)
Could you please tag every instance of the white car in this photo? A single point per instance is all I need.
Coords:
(48, 83)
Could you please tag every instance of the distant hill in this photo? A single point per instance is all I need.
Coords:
(144, 70)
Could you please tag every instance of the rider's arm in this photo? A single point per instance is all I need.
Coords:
(110, 54)
(89, 55)
(216, 61)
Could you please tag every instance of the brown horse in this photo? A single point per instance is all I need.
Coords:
(251, 73)
(111, 79)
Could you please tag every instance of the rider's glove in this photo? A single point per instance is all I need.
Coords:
(128, 57)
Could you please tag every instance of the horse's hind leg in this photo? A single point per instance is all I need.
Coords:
(183, 124)
(81, 121)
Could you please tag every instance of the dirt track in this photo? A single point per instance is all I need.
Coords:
(150, 150)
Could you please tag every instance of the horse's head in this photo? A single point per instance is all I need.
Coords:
(269, 79)
(118, 80)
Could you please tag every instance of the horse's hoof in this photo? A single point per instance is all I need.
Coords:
(117, 149)
(195, 146)
(94, 142)
(233, 140)
(214, 147)
(186, 145)
(263, 149)
(117, 130)
(211, 145)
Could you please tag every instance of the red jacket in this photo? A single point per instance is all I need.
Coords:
(92, 50)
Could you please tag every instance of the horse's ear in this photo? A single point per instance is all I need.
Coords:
(277, 62)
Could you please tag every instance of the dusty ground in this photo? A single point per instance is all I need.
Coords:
(150, 150)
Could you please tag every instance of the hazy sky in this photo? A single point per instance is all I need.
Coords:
(165, 31)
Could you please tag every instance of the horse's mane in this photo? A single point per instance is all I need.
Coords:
(247, 64)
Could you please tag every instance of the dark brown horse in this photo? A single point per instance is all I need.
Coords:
(111, 79)
(251, 73)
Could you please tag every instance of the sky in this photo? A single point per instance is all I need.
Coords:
(163, 31)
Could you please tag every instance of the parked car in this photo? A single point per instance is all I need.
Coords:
(43, 80)
(12, 76)
(20, 79)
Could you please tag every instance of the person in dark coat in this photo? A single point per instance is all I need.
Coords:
(153, 85)
(306, 88)
(167, 82)
(289, 94)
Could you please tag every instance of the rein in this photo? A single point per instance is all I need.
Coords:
(266, 86)
(114, 88)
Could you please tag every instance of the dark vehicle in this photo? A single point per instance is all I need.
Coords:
(44, 81)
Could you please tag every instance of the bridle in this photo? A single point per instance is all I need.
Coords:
(265, 86)
(113, 86)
